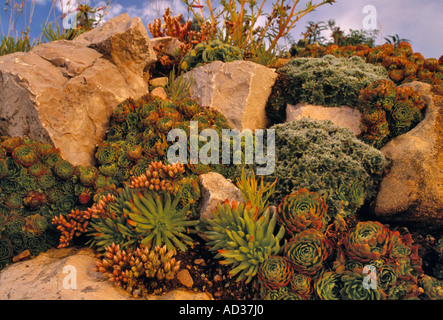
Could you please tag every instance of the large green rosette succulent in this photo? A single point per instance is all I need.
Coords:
(301, 210)
(275, 272)
(308, 251)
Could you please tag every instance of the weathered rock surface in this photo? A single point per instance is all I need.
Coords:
(67, 274)
(64, 92)
(168, 45)
(342, 116)
(237, 89)
(412, 191)
(215, 188)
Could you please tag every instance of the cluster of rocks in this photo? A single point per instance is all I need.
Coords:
(64, 92)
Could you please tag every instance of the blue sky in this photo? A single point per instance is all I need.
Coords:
(419, 21)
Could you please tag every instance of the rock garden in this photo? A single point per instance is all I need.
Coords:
(92, 206)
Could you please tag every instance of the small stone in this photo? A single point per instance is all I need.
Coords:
(185, 278)
(22, 256)
(218, 278)
(200, 262)
(159, 92)
(159, 82)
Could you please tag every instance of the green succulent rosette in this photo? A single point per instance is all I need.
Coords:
(63, 169)
(353, 288)
(3, 169)
(36, 243)
(328, 286)
(6, 249)
(386, 276)
(301, 210)
(308, 251)
(18, 241)
(11, 143)
(380, 94)
(36, 224)
(156, 218)
(3, 153)
(275, 272)
(301, 284)
(51, 159)
(369, 240)
(107, 153)
(15, 223)
(25, 155)
(37, 169)
(109, 170)
(87, 175)
(46, 181)
(14, 200)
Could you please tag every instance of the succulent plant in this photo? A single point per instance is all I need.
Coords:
(308, 251)
(155, 217)
(257, 195)
(275, 272)
(353, 288)
(108, 224)
(369, 240)
(25, 155)
(301, 210)
(301, 284)
(36, 224)
(133, 269)
(6, 250)
(328, 286)
(433, 288)
(63, 169)
(242, 238)
(326, 81)
(204, 53)
(328, 160)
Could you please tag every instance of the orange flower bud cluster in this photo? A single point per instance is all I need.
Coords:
(158, 177)
(99, 208)
(74, 223)
(129, 269)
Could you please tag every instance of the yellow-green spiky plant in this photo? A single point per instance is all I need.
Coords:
(243, 238)
(156, 218)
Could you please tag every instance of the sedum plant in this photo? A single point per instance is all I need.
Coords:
(242, 238)
(139, 270)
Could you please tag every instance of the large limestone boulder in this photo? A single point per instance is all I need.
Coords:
(342, 116)
(64, 92)
(411, 193)
(237, 89)
(67, 274)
